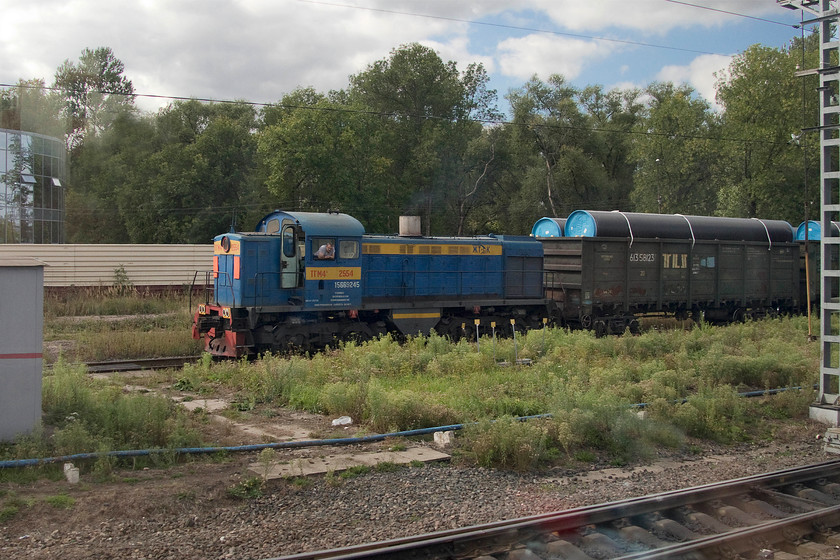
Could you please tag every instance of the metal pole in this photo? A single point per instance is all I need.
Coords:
(477, 339)
(515, 350)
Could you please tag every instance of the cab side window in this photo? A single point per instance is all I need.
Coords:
(323, 248)
(289, 242)
(348, 249)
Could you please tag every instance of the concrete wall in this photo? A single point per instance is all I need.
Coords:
(21, 345)
(94, 265)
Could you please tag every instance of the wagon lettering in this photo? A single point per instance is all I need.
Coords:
(642, 257)
(674, 260)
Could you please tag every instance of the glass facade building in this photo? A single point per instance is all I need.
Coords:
(33, 168)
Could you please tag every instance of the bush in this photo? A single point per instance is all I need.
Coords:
(508, 443)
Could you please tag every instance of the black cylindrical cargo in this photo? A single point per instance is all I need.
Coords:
(594, 223)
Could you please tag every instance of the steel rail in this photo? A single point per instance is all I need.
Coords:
(138, 364)
(483, 539)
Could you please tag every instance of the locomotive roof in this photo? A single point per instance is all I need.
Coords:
(318, 223)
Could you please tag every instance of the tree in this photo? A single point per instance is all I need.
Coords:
(95, 92)
(676, 153)
(321, 154)
(562, 160)
(102, 170)
(31, 107)
(429, 112)
(766, 107)
(180, 176)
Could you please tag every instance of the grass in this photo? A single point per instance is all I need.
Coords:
(111, 324)
(688, 379)
(83, 415)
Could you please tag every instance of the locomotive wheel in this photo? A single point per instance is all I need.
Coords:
(357, 333)
(294, 343)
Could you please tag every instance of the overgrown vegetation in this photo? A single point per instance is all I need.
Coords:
(83, 415)
(688, 381)
(112, 323)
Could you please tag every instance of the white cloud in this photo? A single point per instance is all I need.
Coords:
(700, 74)
(260, 50)
(545, 55)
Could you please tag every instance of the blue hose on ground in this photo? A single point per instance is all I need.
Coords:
(255, 447)
(14, 463)
(748, 394)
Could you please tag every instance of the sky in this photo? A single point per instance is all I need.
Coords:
(260, 50)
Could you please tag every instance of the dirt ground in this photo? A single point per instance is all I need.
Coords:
(135, 510)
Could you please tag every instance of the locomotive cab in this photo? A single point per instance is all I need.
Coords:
(272, 285)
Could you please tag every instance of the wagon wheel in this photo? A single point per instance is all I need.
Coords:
(586, 321)
(600, 329)
(634, 326)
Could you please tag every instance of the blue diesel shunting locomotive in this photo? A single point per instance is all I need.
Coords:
(305, 280)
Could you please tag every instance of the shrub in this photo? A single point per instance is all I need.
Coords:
(508, 443)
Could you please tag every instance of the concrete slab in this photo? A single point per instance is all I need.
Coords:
(341, 462)
(209, 405)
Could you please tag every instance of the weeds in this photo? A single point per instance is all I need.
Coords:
(688, 379)
(60, 501)
(247, 489)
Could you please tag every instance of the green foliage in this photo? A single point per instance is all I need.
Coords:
(61, 501)
(354, 471)
(247, 489)
(89, 414)
(508, 443)
(95, 92)
(106, 301)
(676, 160)
(765, 109)
(7, 512)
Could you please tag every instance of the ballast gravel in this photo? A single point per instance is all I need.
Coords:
(187, 511)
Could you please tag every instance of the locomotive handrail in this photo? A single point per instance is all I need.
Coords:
(192, 287)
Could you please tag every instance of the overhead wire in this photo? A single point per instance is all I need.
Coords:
(506, 26)
(371, 112)
(727, 12)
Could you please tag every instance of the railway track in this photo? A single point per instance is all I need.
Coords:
(139, 364)
(792, 513)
